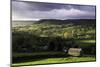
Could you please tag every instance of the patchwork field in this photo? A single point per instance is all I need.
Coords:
(45, 41)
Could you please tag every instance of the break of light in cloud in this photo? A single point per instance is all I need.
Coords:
(36, 11)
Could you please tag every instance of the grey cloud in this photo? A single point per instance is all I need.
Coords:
(22, 10)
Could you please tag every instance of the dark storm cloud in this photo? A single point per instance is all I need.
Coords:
(34, 10)
(38, 6)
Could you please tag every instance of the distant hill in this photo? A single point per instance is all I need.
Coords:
(74, 21)
(55, 21)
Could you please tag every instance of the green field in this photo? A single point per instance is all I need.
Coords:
(57, 60)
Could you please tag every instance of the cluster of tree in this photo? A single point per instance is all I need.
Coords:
(25, 40)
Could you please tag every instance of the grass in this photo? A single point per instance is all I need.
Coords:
(87, 41)
(56, 60)
(36, 53)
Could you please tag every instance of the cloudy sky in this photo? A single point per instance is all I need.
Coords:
(35, 11)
